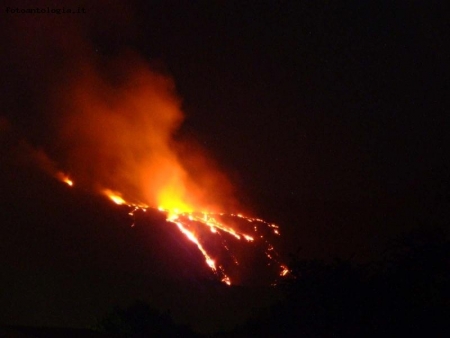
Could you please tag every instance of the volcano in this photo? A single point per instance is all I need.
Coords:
(67, 249)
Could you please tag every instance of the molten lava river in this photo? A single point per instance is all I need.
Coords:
(217, 236)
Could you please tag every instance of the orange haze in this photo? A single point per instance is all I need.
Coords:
(118, 132)
(105, 116)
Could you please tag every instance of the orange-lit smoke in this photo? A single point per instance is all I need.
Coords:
(118, 130)
(106, 117)
(111, 124)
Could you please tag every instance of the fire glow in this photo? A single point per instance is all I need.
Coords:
(116, 131)
(118, 135)
(185, 221)
(188, 224)
(64, 178)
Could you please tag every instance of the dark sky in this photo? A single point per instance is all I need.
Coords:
(330, 119)
(336, 108)
(334, 102)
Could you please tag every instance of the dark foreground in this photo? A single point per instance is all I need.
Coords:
(406, 293)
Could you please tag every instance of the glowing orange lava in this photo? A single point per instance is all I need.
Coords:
(114, 196)
(116, 125)
(187, 220)
(64, 178)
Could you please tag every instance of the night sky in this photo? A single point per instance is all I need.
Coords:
(330, 119)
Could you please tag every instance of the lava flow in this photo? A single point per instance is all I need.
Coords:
(118, 135)
(113, 123)
(214, 234)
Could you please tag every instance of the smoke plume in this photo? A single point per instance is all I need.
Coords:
(107, 118)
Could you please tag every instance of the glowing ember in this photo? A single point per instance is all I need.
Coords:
(64, 178)
(114, 196)
(285, 271)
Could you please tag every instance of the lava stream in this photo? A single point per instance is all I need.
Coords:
(193, 224)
